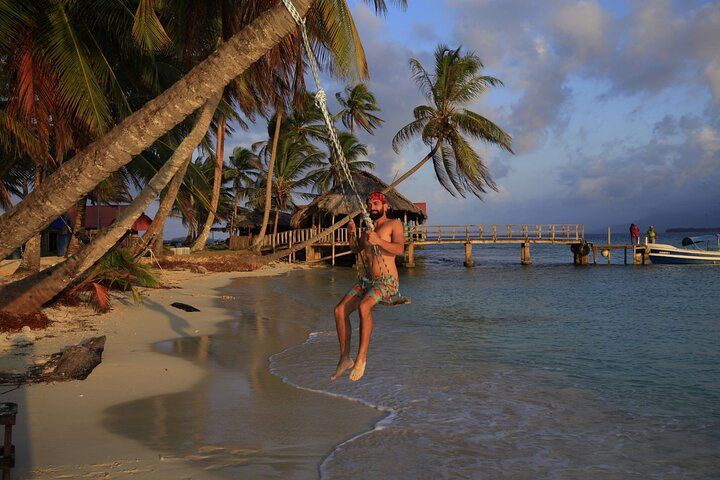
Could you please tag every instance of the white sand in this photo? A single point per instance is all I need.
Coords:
(59, 431)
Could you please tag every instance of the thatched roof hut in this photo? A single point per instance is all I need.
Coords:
(253, 219)
(335, 204)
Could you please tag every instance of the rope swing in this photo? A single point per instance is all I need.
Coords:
(321, 102)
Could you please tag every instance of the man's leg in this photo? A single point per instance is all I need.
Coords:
(344, 330)
(366, 328)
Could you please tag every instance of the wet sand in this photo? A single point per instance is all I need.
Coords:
(181, 394)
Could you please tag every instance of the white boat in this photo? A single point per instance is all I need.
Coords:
(698, 252)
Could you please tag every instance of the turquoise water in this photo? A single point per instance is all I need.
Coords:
(509, 371)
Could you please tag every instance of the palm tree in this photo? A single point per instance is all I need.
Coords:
(304, 123)
(295, 163)
(242, 172)
(357, 107)
(443, 124)
(355, 153)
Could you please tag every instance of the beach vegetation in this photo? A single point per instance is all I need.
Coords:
(117, 270)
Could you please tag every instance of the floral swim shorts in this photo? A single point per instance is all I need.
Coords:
(378, 287)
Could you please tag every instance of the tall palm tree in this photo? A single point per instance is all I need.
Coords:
(304, 123)
(443, 124)
(242, 172)
(357, 107)
(295, 164)
(330, 173)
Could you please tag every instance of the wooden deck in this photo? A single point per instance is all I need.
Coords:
(335, 244)
(468, 235)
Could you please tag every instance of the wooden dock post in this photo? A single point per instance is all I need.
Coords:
(409, 261)
(468, 255)
(525, 254)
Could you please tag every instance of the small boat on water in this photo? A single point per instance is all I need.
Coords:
(698, 251)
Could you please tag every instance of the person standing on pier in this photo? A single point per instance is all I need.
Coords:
(634, 234)
(651, 234)
(377, 249)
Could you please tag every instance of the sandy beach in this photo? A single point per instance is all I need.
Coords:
(148, 412)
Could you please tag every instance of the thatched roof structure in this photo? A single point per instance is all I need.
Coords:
(334, 203)
(251, 219)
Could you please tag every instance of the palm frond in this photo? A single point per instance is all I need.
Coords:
(147, 30)
(406, 133)
(483, 129)
(80, 90)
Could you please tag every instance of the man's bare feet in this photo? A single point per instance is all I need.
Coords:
(343, 364)
(358, 372)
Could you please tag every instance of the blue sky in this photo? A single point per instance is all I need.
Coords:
(613, 106)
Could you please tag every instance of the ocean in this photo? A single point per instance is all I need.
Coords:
(525, 372)
(501, 371)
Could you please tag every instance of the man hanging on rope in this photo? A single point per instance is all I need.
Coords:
(377, 250)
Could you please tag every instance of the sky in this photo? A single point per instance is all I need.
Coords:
(613, 107)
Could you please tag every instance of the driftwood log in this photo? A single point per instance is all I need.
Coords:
(74, 363)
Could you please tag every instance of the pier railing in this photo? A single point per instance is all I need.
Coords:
(541, 233)
(424, 234)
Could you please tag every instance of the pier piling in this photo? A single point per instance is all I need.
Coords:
(468, 255)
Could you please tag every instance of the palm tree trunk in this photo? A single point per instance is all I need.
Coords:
(78, 226)
(236, 200)
(30, 262)
(268, 187)
(417, 166)
(154, 235)
(199, 244)
(76, 177)
(30, 294)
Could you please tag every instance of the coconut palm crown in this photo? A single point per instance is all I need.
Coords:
(443, 125)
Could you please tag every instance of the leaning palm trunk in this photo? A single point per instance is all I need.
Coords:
(414, 169)
(31, 294)
(217, 183)
(268, 187)
(154, 234)
(85, 170)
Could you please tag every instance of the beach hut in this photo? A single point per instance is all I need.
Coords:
(55, 238)
(329, 207)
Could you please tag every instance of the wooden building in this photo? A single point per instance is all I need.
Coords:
(326, 209)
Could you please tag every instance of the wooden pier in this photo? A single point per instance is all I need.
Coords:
(335, 245)
(639, 253)
(523, 235)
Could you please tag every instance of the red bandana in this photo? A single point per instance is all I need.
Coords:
(377, 196)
